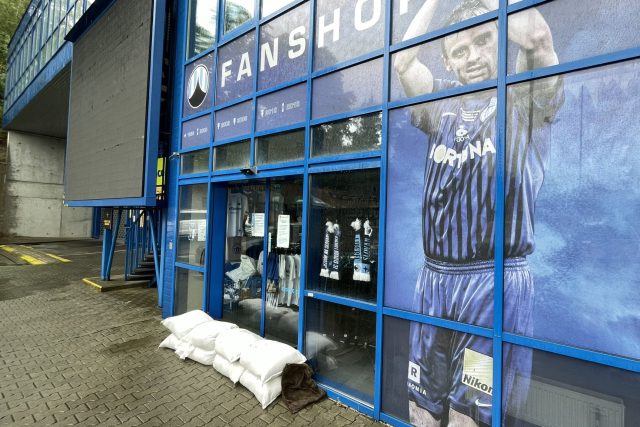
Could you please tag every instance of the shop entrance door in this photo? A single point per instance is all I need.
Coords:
(260, 276)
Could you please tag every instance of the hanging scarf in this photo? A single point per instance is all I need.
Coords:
(335, 265)
(361, 264)
(273, 277)
(357, 248)
(324, 272)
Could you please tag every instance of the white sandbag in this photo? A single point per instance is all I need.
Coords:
(231, 370)
(233, 342)
(204, 335)
(171, 342)
(264, 392)
(199, 355)
(183, 324)
(266, 359)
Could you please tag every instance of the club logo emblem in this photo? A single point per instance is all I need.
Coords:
(198, 86)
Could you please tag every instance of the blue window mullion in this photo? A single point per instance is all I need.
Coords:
(498, 293)
(377, 382)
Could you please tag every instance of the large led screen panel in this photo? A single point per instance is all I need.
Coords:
(108, 105)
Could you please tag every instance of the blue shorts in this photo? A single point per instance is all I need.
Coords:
(450, 369)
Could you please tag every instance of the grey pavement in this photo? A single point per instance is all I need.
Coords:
(71, 355)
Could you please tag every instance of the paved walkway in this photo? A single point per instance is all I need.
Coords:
(71, 355)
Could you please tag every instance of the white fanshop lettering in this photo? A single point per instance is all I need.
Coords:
(404, 7)
(245, 67)
(299, 42)
(443, 154)
(328, 31)
(375, 16)
(334, 28)
(269, 55)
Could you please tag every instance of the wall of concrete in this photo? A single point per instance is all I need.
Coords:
(33, 190)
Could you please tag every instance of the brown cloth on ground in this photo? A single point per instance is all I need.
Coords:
(298, 387)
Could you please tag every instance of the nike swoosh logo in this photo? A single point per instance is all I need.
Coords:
(482, 405)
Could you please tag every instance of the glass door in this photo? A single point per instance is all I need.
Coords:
(243, 266)
(261, 293)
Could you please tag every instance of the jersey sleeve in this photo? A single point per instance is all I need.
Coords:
(425, 116)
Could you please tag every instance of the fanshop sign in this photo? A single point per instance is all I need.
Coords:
(336, 31)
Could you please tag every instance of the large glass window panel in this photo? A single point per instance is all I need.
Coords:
(441, 206)
(279, 148)
(270, 6)
(242, 303)
(201, 33)
(465, 57)
(340, 347)
(194, 162)
(283, 47)
(234, 121)
(235, 68)
(285, 236)
(192, 224)
(346, 29)
(443, 14)
(196, 132)
(432, 373)
(357, 134)
(231, 156)
(347, 90)
(282, 108)
(553, 390)
(343, 233)
(577, 134)
(189, 289)
(237, 12)
(572, 30)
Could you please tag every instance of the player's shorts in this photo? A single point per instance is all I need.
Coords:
(450, 369)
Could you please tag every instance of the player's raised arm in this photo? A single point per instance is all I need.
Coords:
(415, 77)
(531, 32)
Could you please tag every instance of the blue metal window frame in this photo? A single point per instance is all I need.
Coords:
(379, 159)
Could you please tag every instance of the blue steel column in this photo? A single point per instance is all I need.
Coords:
(496, 416)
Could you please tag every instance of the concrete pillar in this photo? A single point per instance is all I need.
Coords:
(33, 190)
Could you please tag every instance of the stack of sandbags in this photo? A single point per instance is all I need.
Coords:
(229, 347)
(264, 361)
(193, 335)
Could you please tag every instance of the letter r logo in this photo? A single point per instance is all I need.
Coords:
(414, 372)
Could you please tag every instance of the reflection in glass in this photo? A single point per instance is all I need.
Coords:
(192, 224)
(445, 13)
(201, 34)
(441, 208)
(429, 371)
(596, 27)
(560, 391)
(340, 347)
(579, 133)
(231, 156)
(237, 12)
(285, 235)
(344, 90)
(443, 56)
(270, 6)
(343, 233)
(194, 162)
(347, 29)
(283, 147)
(242, 303)
(357, 134)
(189, 288)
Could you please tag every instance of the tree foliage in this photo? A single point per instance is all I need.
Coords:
(10, 13)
